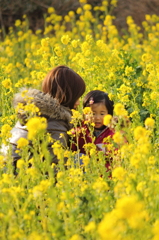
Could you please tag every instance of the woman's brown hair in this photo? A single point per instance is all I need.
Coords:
(65, 85)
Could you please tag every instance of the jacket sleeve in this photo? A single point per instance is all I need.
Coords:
(17, 132)
(64, 140)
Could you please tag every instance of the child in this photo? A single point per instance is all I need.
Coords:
(100, 105)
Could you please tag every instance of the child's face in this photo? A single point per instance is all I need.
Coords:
(99, 111)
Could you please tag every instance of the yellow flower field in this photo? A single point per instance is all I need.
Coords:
(82, 205)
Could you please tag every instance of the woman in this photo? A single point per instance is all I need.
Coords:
(61, 90)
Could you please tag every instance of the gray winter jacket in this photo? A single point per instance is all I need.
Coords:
(58, 119)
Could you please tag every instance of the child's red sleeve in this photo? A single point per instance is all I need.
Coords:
(73, 146)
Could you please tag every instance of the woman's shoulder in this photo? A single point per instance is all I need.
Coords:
(58, 125)
(47, 105)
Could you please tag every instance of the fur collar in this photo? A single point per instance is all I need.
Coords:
(47, 105)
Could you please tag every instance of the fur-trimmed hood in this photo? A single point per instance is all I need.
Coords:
(48, 106)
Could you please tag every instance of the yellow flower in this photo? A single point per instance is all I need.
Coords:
(31, 108)
(45, 42)
(36, 236)
(100, 185)
(108, 20)
(131, 209)
(139, 132)
(5, 133)
(22, 142)
(71, 14)
(84, 46)
(60, 174)
(118, 138)
(90, 227)
(58, 51)
(58, 150)
(41, 188)
(82, 1)
(75, 116)
(20, 163)
(114, 2)
(119, 173)
(107, 119)
(135, 160)
(6, 178)
(149, 122)
(61, 206)
(35, 125)
(85, 159)
(87, 110)
(155, 230)
(120, 110)
(51, 10)
(129, 71)
(17, 23)
(146, 57)
(75, 237)
(65, 39)
(141, 186)
(7, 83)
(74, 43)
(110, 228)
(67, 18)
(149, 67)
(79, 10)
(87, 7)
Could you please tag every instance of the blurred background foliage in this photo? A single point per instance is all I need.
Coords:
(35, 9)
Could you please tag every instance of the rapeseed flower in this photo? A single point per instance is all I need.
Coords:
(90, 227)
(76, 116)
(118, 138)
(85, 160)
(87, 110)
(65, 39)
(51, 10)
(146, 57)
(130, 209)
(110, 228)
(135, 160)
(76, 236)
(74, 43)
(100, 185)
(140, 132)
(7, 83)
(6, 178)
(149, 123)
(5, 133)
(107, 119)
(17, 23)
(129, 71)
(119, 173)
(87, 7)
(119, 110)
(22, 142)
(35, 125)
(155, 230)
(20, 163)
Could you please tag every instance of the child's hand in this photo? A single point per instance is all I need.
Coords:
(113, 122)
(124, 122)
